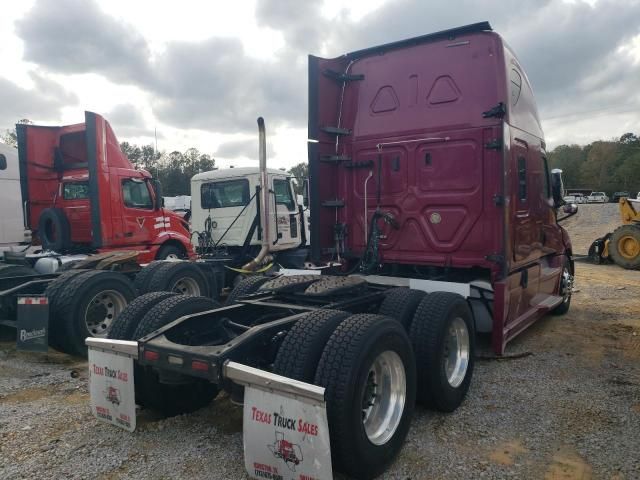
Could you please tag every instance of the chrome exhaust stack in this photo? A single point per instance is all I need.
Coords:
(264, 198)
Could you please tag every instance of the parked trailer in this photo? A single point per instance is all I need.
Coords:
(430, 189)
(12, 233)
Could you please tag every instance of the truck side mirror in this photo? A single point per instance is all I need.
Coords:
(569, 210)
(305, 192)
(557, 187)
(3, 162)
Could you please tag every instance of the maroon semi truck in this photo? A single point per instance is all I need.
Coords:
(436, 216)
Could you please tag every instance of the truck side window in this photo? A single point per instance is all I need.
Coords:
(547, 188)
(75, 191)
(3, 162)
(522, 179)
(516, 86)
(135, 194)
(283, 193)
(230, 193)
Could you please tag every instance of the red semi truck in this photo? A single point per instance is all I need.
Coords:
(81, 194)
(430, 190)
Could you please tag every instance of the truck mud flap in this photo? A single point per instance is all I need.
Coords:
(111, 388)
(285, 429)
(33, 323)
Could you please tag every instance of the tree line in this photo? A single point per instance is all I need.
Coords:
(174, 170)
(607, 166)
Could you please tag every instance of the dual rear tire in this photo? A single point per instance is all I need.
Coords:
(85, 303)
(184, 278)
(374, 368)
(169, 396)
(441, 328)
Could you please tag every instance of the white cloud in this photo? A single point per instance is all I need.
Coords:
(201, 72)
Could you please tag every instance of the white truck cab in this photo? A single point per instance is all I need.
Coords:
(224, 202)
(12, 232)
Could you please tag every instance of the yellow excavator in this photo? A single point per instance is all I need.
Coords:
(623, 245)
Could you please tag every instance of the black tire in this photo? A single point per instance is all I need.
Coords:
(300, 352)
(10, 270)
(125, 325)
(566, 288)
(53, 230)
(171, 309)
(431, 322)
(246, 286)
(170, 251)
(625, 259)
(401, 304)
(184, 278)
(74, 299)
(344, 372)
(143, 277)
(56, 330)
(171, 399)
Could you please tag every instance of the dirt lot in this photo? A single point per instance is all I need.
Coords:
(568, 409)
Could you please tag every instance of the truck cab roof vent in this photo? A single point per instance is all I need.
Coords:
(431, 37)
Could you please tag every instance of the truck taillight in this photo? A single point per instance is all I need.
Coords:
(151, 356)
(200, 366)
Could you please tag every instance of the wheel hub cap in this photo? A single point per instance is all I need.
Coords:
(566, 285)
(456, 352)
(384, 397)
(102, 310)
(629, 247)
(186, 286)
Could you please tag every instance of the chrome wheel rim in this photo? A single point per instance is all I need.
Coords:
(566, 285)
(172, 256)
(456, 352)
(102, 311)
(186, 286)
(384, 397)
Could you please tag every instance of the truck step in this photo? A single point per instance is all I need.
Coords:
(546, 302)
(333, 203)
(335, 158)
(336, 131)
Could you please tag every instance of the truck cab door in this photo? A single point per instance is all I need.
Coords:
(141, 222)
(228, 208)
(522, 218)
(75, 204)
(285, 217)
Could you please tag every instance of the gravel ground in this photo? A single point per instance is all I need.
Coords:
(569, 408)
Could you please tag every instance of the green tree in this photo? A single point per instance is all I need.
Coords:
(10, 137)
(174, 170)
(299, 172)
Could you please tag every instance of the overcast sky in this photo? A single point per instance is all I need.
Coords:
(200, 72)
